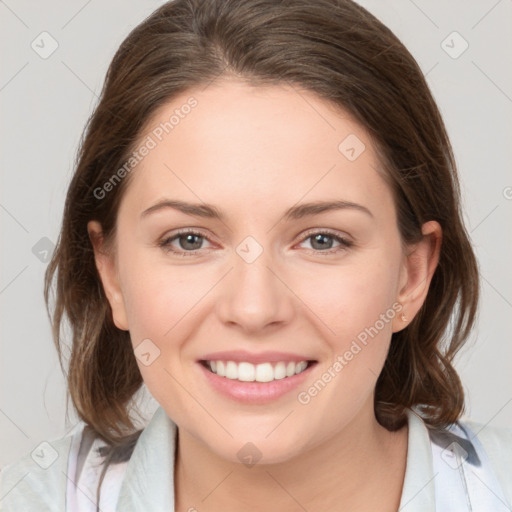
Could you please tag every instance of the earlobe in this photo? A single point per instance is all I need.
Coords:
(107, 270)
(420, 264)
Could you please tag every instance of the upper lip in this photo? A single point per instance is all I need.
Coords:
(239, 356)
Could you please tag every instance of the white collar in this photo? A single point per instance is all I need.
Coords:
(148, 483)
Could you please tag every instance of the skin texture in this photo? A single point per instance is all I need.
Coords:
(254, 152)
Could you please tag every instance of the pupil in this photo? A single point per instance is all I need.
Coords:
(189, 239)
(322, 239)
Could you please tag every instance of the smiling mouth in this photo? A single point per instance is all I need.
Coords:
(263, 372)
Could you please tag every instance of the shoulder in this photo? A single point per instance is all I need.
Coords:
(88, 483)
(497, 443)
(61, 475)
(38, 481)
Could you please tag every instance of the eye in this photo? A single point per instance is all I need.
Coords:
(322, 242)
(189, 243)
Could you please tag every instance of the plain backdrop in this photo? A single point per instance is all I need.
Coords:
(46, 100)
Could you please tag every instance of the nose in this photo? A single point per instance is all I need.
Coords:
(254, 296)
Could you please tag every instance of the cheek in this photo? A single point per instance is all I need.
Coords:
(165, 305)
(357, 313)
(160, 310)
(352, 307)
(157, 294)
(349, 298)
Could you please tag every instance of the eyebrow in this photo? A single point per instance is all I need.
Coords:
(295, 212)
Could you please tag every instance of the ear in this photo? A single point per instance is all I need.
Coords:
(107, 269)
(420, 263)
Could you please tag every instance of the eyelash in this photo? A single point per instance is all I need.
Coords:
(166, 242)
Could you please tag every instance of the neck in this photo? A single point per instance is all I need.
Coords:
(360, 468)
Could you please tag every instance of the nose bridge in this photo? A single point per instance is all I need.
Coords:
(253, 296)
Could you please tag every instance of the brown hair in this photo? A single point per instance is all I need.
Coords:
(336, 49)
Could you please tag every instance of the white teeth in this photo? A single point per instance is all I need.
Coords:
(280, 371)
(264, 372)
(221, 370)
(231, 370)
(248, 372)
(301, 367)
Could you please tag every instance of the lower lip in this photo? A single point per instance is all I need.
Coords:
(255, 392)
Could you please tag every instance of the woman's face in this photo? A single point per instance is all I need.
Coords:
(272, 280)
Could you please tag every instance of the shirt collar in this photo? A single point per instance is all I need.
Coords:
(418, 489)
(148, 483)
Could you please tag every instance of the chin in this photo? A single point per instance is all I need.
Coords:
(251, 449)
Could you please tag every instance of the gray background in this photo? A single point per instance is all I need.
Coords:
(45, 103)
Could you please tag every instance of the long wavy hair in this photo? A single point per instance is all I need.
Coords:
(342, 53)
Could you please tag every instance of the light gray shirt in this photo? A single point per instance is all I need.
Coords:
(63, 475)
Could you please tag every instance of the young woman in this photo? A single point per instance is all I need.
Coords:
(264, 230)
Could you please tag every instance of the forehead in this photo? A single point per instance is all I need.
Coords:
(267, 145)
